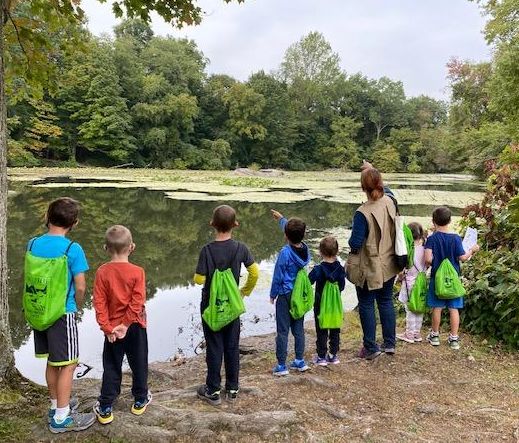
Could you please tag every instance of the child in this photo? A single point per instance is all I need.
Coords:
(59, 343)
(119, 298)
(292, 257)
(413, 321)
(223, 253)
(440, 245)
(330, 269)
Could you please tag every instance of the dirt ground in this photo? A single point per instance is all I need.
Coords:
(420, 394)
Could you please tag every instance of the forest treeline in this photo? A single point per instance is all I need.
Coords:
(148, 100)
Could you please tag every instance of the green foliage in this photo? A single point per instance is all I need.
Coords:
(387, 159)
(249, 182)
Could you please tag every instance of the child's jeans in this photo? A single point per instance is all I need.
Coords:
(135, 346)
(413, 321)
(284, 323)
(325, 336)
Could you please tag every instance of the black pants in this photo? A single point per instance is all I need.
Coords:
(135, 346)
(333, 336)
(224, 344)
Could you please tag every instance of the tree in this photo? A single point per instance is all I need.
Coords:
(344, 151)
(387, 159)
(52, 14)
(425, 112)
(389, 105)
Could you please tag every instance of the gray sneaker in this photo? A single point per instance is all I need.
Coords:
(74, 422)
(454, 343)
(373, 355)
(73, 404)
(433, 339)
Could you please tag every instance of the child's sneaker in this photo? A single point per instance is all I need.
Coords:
(211, 398)
(74, 422)
(433, 339)
(139, 407)
(299, 365)
(407, 336)
(333, 359)
(104, 415)
(73, 405)
(232, 394)
(417, 337)
(280, 370)
(318, 361)
(454, 342)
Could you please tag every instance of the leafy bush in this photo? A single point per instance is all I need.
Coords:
(492, 301)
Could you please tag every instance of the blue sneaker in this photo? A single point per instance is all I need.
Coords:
(139, 407)
(320, 361)
(280, 370)
(333, 359)
(104, 415)
(73, 404)
(74, 422)
(299, 365)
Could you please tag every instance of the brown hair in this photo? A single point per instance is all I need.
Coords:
(62, 212)
(372, 184)
(329, 247)
(417, 231)
(118, 238)
(442, 216)
(224, 218)
(295, 230)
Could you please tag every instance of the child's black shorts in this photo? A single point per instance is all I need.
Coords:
(59, 343)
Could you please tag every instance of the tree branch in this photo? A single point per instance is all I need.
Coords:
(17, 35)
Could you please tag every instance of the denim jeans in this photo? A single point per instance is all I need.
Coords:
(386, 310)
(285, 323)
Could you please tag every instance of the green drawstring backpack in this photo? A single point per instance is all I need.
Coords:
(417, 299)
(225, 301)
(46, 287)
(331, 312)
(409, 241)
(302, 299)
(447, 282)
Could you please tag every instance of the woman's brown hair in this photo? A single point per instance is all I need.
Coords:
(372, 184)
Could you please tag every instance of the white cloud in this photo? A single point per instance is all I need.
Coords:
(408, 40)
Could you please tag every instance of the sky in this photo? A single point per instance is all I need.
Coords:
(407, 40)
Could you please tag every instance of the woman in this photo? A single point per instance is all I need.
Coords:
(371, 264)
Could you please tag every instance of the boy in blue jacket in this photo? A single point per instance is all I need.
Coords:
(292, 257)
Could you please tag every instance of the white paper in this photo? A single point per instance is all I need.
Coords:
(470, 239)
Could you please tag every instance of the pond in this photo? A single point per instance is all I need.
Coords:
(169, 234)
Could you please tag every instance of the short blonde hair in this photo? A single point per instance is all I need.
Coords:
(118, 238)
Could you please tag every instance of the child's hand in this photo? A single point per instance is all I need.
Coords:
(120, 331)
(475, 248)
(277, 215)
(272, 301)
(111, 337)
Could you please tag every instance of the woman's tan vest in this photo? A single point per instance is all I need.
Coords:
(375, 262)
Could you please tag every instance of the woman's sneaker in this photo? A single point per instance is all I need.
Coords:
(299, 365)
(211, 398)
(104, 415)
(73, 404)
(333, 359)
(232, 394)
(433, 339)
(139, 407)
(406, 336)
(318, 361)
(280, 370)
(74, 422)
(454, 342)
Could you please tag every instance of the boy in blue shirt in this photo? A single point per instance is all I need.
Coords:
(440, 245)
(59, 343)
(292, 257)
(330, 269)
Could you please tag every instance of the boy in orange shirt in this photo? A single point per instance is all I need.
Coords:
(119, 298)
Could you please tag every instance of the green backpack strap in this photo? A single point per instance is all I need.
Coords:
(447, 282)
(225, 301)
(302, 299)
(331, 312)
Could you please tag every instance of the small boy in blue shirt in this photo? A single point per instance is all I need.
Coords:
(59, 343)
(443, 244)
(292, 257)
(330, 269)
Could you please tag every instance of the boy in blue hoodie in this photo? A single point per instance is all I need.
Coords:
(330, 269)
(292, 257)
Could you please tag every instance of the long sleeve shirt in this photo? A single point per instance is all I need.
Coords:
(119, 295)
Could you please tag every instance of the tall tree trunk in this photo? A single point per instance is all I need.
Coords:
(6, 347)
